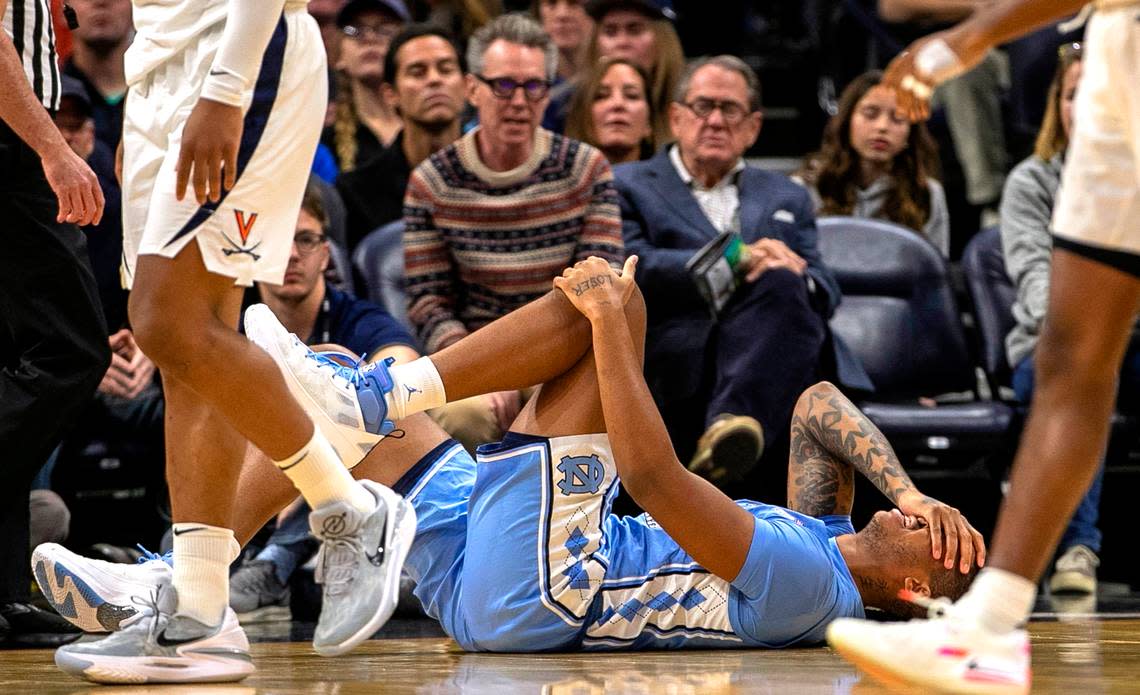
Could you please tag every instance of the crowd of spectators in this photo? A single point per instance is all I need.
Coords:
(506, 146)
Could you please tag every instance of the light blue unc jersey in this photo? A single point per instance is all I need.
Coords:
(793, 583)
(519, 552)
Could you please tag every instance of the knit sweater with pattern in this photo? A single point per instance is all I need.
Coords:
(479, 243)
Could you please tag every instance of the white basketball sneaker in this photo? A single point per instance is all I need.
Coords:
(163, 648)
(96, 595)
(346, 402)
(947, 653)
(359, 567)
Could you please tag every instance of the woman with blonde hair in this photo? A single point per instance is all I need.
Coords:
(611, 111)
(364, 123)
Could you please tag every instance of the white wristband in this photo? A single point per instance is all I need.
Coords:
(226, 87)
(936, 62)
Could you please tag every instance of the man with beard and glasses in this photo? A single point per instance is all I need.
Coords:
(423, 78)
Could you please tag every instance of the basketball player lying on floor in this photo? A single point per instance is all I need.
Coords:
(519, 552)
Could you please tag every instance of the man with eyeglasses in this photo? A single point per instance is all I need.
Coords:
(492, 217)
(764, 347)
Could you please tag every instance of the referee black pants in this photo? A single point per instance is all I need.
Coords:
(53, 343)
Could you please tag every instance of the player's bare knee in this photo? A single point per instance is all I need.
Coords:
(165, 336)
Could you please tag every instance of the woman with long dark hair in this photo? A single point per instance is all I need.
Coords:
(874, 163)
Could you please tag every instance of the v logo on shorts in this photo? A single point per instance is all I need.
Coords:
(245, 226)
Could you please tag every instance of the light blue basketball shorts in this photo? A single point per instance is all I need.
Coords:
(519, 552)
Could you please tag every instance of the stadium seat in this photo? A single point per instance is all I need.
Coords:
(379, 260)
(993, 295)
(339, 273)
(334, 210)
(899, 316)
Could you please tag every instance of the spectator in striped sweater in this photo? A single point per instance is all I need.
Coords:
(492, 218)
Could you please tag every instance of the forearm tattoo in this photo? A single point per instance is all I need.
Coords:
(830, 437)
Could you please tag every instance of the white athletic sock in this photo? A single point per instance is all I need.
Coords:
(999, 600)
(321, 477)
(417, 387)
(202, 557)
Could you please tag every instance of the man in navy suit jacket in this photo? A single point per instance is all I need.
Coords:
(766, 345)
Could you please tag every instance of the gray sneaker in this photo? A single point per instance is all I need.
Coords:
(359, 565)
(1075, 572)
(257, 595)
(163, 648)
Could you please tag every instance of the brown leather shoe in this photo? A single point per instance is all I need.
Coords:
(728, 449)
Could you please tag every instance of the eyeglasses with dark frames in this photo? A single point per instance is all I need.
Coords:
(307, 242)
(732, 112)
(504, 87)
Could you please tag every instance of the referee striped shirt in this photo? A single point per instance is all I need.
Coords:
(28, 24)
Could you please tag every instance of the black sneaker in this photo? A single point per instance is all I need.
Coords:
(23, 626)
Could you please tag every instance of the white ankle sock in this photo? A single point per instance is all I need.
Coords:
(321, 477)
(202, 557)
(417, 387)
(999, 600)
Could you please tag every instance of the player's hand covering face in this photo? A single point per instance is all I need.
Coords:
(951, 535)
(594, 288)
(929, 62)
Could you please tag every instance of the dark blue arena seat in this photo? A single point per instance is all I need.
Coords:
(993, 295)
(899, 316)
(379, 261)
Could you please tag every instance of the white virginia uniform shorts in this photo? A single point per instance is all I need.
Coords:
(248, 235)
(1099, 200)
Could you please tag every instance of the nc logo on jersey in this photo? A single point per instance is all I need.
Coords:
(245, 222)
(581, 474)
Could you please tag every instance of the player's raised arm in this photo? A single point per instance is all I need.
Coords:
(681, 502)
(212, 133)
(831, 438)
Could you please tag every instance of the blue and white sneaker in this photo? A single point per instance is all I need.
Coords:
(345, 401)
(96, 595)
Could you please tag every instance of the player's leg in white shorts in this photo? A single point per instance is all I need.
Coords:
(1098, 208)
(247, 235)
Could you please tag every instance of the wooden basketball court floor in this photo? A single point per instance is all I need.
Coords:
(1085, 653)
